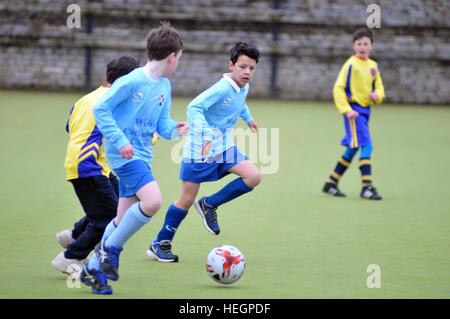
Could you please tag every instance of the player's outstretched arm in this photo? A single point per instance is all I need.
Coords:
(246, 116)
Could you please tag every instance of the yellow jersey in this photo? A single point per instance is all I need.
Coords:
(357, 79)
(85, 154)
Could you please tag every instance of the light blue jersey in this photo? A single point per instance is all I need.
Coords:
(130, 112)
(212, 116)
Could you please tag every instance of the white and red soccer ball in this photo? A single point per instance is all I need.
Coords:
(225, 264)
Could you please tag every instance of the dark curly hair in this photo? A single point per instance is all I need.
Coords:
(119, 67)
(244, 48)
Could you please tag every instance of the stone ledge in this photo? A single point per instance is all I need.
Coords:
(341, 14)
(384, 51)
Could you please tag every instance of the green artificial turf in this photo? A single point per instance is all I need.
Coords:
(298, 242)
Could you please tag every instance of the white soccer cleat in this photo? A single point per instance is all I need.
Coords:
(67, 266)
(64, 237)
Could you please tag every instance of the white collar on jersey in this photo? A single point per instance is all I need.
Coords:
(227, 77)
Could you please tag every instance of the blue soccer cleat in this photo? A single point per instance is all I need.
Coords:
(209, 215)
(100, 286)
(95, 279)
(109, 260)
(162, 251)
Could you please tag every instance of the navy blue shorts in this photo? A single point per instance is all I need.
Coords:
(357, 131)
(132, 177)
(213, 169)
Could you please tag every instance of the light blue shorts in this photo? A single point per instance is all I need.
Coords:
(132, 177)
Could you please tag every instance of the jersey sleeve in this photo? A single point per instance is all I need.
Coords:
(103, 113)
(166, 126)
(341, 89)
(379, 88)
(68, 120)
(245, 115)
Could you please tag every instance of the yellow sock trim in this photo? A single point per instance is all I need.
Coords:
(336, 175)
(365, 162)
(344, 162)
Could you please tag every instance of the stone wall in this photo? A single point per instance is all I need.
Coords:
(37, 50)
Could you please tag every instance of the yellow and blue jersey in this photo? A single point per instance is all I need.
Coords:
(357, 79)
(85, 154)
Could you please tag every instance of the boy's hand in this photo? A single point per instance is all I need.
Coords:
(352, 114)
(127, 151)
(182, 128)
(374, 97)
(253, 126)
(206, 148)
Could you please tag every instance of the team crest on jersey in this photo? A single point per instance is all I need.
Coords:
(227, 101)
(161, 100)
(373, 72)
(138, 97)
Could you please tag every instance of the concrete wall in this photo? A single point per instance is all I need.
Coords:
(37, 50)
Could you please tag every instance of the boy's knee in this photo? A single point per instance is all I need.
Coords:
(151, 207)
(253, 179)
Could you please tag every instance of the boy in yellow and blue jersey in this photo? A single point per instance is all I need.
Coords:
(209, 152)
(88, 171)
(357, 87)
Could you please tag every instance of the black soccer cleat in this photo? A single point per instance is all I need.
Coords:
(87, 276)
(209, 215)
(370, 192)
(332, 189)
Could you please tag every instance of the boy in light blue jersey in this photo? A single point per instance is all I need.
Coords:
(128, 115)
(209, 153)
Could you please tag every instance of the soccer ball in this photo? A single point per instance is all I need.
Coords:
(225, 264)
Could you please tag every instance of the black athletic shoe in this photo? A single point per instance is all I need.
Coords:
(332, 189)
(209, 215)
(370, 192)
(87, 277)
